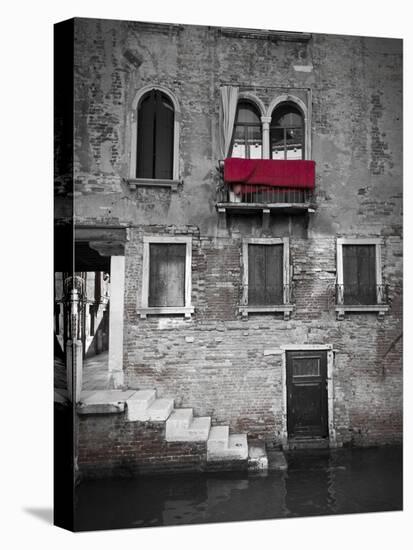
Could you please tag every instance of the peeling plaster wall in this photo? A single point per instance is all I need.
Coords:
(356, 90)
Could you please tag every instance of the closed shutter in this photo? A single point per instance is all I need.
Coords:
(167, 275)
(256, 274)
(274, 274)
(359, 274)
(265, 274)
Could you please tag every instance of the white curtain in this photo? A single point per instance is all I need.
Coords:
(229, 99)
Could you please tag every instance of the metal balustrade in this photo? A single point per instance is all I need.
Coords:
(264, 194)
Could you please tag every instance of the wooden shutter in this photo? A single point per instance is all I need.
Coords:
(359, 274)
(265, 274)
(256, 274)
(167, 275)
(164, 137)
(274, 274)
(146, 145)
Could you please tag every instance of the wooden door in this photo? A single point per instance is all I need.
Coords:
(307, 393)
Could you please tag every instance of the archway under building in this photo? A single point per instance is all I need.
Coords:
(98, 275)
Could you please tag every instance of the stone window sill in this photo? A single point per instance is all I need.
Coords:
(147, 182)
(286, 309)
(186, 311)
(380, 309)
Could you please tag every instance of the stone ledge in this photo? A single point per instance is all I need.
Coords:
(145, 311)
(147, 182)
(103, 401)
(380, 309)
(286, 309)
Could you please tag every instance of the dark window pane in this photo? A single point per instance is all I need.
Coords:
(287, 133)
(164, 133)
(146, 134)
(359, 274)
(306, 366)
(247, 138)
(247, 113)
(166, 275)
(155, 137)
(287, 116)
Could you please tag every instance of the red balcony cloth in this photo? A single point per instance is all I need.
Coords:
(292, 174)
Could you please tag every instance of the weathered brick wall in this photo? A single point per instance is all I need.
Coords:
(215, 362)
(110, 446)
(356, 89)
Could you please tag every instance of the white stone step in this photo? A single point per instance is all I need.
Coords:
(179, 421)
(198, 430)
(237, 449)
(103, 401)
(257, 457)
(160, 410)
(137, 404)
(238, 446)
(218, 438)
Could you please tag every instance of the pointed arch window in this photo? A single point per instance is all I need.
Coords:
(287, 133)
(247, 137)
(155, 140)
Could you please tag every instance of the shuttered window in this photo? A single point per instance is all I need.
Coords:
(166, 275)
(359, 274)
(155, 136)
(265, 274)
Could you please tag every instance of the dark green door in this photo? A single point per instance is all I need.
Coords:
(307, 393)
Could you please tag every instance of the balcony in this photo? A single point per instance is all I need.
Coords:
(369, 299)
(264, 196)
(269, 186)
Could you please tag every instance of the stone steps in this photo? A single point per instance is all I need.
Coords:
(180, 426)
(222, 446)
(257, 456)
(103, 401)
(304, 443)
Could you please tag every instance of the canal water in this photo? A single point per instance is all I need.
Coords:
(316, 483)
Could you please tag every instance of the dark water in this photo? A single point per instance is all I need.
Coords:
(316, 483)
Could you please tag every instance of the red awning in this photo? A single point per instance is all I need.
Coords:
(293, 174)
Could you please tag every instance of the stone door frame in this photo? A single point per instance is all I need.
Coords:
(330, 388)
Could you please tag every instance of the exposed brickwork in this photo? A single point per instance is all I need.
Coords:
(110, 446)
(215, 361)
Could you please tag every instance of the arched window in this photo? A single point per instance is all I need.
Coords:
(287, 133)
(247, 137)
(155, 140)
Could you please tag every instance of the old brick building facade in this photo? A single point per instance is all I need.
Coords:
(236, 297)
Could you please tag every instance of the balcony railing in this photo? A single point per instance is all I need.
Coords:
(262, 194)
(359, 295)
